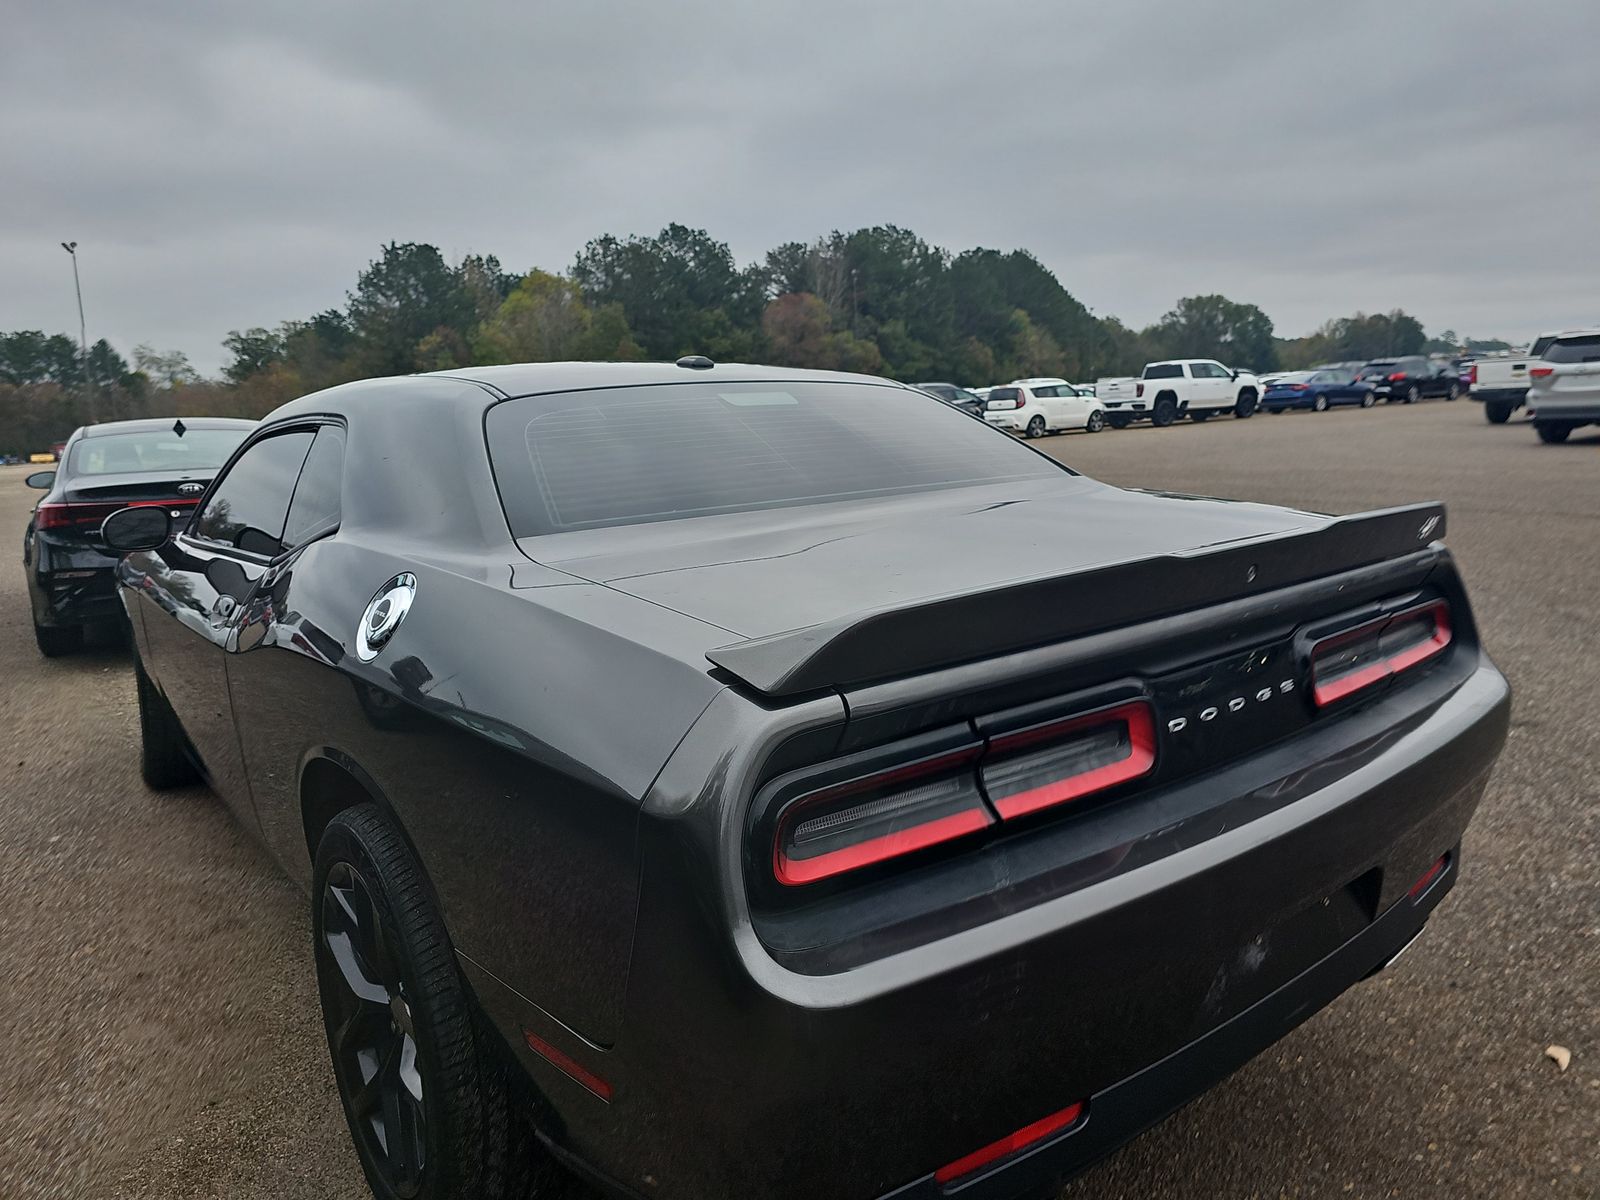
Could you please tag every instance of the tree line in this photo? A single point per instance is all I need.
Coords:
(879, 300)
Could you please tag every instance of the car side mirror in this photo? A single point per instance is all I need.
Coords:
(41, 480)
(143, 527)
(1234, 374)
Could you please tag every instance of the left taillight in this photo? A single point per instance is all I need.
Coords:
(879, 817)
(1066, 760)
(875, 818)
(1351, 662)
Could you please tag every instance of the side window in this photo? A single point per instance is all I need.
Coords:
(248, 508)
(315, 508)
(1045, 392)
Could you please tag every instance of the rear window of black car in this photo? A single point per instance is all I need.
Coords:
(1584, 349)
(626, 456)
(153, 450)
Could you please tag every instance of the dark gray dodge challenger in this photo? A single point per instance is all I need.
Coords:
(730, 781)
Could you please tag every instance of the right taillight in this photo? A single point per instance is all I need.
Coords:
(1541, 372)
(1353, 661)
(879, 817)
(1138, 389)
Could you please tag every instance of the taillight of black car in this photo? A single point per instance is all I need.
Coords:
(882, 816)
(1352, 662)
(875, 818)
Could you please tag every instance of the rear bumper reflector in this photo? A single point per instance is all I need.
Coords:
(1027, 1136)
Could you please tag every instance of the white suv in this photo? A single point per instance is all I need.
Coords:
(1034, 407)
(1564, 385)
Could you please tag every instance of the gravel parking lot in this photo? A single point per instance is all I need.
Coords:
(154, 969)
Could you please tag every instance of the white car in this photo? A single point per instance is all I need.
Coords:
(1034, 407)
(1563, 385)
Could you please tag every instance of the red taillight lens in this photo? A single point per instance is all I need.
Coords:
(1397, 377)
(1011, 1144)
(1470, 376)
(883, 816)
(1351, 662)
(88, 517)
(1068, 760)
(1541, 372)
(1298, 387)
(1138, 389)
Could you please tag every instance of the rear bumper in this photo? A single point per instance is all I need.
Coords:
(1513, 396)
(71, 585)
(1584, 411)
(736, 1076)
(1004, 420)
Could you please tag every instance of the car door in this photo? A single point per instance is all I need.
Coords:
(1077, 407)
(200, 581)
(1211, 382)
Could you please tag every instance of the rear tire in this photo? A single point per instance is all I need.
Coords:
(1036, 427)
(57, 640)
(163, 751)
(1497, 412)
(1454, 393)
(1118, 421)
(1413, 394)
(1095, 423)
(1552, 432)
(427, 1096)
(1164, 413)
(1201, 415)
(1320, 404)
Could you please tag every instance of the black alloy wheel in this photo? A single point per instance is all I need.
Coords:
(1497, 412)
(1202, 415)
(1119, 420)
(1165, 412)
(1246, 407)
(428, 1100)
(1036, 427)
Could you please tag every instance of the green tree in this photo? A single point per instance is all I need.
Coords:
(400, 300)
(1239, 335)
(253, 350)
(169, 369)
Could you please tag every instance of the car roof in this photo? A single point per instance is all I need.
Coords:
(1037, 381)
(164, 425)
(526, 379)
(1591, 331)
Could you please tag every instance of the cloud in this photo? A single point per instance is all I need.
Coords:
(227, 166)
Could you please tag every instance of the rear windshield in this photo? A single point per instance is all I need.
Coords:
(626, 456)
(1164, 371)
(1382, 366)
(1583, 349)
(153, 450)
(1006, 393)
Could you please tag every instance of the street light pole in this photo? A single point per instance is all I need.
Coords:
(83, 329)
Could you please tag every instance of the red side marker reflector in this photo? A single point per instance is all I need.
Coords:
(1027, 1136)
(1429, 876)
(568, 1065)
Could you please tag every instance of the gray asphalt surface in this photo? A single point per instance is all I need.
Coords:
(162, 1031)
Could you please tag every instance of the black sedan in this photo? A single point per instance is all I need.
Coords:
(763, 782)
(104, 468)
(1316, 390)
(956, 397)
(1410, 379)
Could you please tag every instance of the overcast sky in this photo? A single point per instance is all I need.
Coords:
(224, 166)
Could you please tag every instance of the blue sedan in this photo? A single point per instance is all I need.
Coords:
(1316, 390)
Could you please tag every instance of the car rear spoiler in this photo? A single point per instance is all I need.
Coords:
(886, 643)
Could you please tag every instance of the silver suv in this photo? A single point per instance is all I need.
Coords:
(1564, 385)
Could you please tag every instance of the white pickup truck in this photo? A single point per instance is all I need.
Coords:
(1502, 383)
(1197, 388)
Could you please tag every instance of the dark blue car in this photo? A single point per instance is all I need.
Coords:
(1316, 390)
